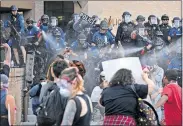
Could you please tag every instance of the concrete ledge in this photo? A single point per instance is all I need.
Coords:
(16, 83)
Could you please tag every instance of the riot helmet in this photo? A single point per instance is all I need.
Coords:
(126, 16)
(13, 8)
(164, 17)
(140, 18)
(54, 21)
(103, 27)
(45, 19)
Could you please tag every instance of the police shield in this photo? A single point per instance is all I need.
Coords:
(80, 25)
(154, 20)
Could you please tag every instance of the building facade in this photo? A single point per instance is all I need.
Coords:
(104, 9)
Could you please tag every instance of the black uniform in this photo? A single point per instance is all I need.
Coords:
(165, 28)
(124, 34)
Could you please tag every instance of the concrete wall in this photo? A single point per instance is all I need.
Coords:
(38, 9)
(20, 4)
(16, 82)
(105, 9)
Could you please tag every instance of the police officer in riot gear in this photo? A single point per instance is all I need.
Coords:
(54, 27)
(16, 22)
(32, 32)
(44, 23)
(165, 28)
(175, 32)
(140, 32)
(124, 31)
(152, 26)
(71, 34)
(102, 38)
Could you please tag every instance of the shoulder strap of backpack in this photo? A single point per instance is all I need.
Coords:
(78, 111)
(156, 115)
(134, 90)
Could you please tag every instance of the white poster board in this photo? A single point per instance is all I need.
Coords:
(110, 67)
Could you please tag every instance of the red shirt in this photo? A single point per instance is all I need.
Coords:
(173, 107)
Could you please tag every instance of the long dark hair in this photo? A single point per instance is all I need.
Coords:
(122, 77)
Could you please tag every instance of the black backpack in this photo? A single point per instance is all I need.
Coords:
(51, 108)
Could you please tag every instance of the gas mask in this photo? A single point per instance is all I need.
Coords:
(127, 18)
(176, 23)
(29, 26)
(45, 21)
(103, 31)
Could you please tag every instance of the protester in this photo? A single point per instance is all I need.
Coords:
(34, 93)
(8, 107)
(119, 99)
(79, 108)
(171, 99)
(53, 75)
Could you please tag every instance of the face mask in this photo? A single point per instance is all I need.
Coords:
(65, 88)
(127, 18)
(176, 23)
(154, 20)
(29, 27)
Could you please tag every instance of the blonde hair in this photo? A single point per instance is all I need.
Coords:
(79, 86)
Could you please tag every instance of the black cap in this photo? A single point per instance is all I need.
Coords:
(171, 74)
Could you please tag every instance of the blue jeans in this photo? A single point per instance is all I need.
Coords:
(34, 107)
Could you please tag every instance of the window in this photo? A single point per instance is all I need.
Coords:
(63, 10)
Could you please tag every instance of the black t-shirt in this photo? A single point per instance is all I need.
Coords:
(121, 100)
(5, 70)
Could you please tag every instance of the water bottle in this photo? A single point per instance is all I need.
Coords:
(12, 63)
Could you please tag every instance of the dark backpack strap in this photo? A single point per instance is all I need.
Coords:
(78, 111)
(156, 115)
(147, 103)
(134, 90)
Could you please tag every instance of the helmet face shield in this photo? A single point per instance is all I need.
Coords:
(76, 18)
(154, 20)
(127, 18)
(176, 23)
(54, 22)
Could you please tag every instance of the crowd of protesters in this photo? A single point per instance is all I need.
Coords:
(68, 73)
